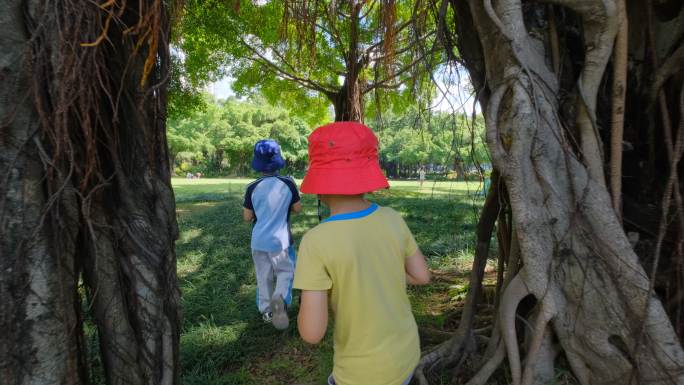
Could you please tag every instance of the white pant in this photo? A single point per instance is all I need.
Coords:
(275, 266)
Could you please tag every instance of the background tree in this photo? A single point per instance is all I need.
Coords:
(304, 52)
(570, 269)
(220, 139)
(86, 205)
(445, 141)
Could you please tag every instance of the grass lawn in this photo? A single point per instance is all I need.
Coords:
(223, 338)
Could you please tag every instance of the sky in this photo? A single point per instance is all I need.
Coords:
(455, 92)
(221, 89)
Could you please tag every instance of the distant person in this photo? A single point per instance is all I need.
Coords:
(421, 176)
(198, 175)
(359, 261)
(268, 203)
(189, 176)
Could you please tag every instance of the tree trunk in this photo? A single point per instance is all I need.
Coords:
(86, 193)
(348, 102)
(591, 290)
(577, 261)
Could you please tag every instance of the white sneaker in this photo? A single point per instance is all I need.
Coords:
(267, 317)
(280, 320)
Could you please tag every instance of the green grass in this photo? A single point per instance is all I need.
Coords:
(223, 338)
(215, 189)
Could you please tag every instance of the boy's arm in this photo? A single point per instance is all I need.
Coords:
(312, 320)
(295, 204)
(247, 214)
(417, 272)
(247, 205)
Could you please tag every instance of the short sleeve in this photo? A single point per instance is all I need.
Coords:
(248, 200)
(293, 189)
(408, 241)
(295, 196)
(310, 272)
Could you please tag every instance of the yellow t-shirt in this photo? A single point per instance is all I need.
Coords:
(360, 258)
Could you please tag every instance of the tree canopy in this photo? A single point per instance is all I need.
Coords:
(306, 55)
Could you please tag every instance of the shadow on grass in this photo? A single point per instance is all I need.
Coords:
(224, 340)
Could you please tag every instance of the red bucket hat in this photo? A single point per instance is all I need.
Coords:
(343, 159)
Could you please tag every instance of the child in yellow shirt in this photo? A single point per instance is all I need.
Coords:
(359, 260)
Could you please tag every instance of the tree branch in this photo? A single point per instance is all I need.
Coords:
(397, 32)
(405, 49)
(265, 62)
(332, 35)
(336, 34)
(370, 9)
(384, 82)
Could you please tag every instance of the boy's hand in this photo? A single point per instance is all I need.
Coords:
(248, 215)
(417, 272)
(296, 207)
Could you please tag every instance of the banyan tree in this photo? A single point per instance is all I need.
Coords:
(87, 215)
(584, 108)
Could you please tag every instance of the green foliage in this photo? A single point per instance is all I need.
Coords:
(296, 54)
(220, 139)
(184, 97)
(439, 139)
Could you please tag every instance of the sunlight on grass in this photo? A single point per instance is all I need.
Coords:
(206, 346)
(190, 263)
(189, 235)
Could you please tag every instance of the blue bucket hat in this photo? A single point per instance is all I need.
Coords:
(267, 156)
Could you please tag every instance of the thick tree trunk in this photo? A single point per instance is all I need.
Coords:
(39, 316)
(348, 103)
(348, 100)
(592, 293)
(86, 193)
(591, 290)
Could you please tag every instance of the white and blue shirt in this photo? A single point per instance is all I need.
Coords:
(270, 197)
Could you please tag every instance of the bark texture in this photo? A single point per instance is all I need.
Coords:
(594, 301)
(348, 100)
(85, 193)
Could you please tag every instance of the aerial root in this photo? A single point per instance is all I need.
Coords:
(457, 349)
(449, 351)
(514, 293)
(486, 371)
(537, 340)
(429, 359)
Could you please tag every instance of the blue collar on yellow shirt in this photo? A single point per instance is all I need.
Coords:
(353, 215)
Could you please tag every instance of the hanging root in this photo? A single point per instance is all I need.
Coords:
(457, 348)
(486, 371)
(452, 350)
(537, 339)
(618, 108)
(546, 313)
(514, 293)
